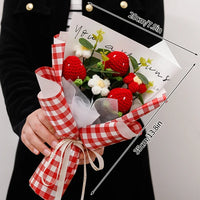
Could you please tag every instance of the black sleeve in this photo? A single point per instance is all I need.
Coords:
(25, 45)
(18, 81)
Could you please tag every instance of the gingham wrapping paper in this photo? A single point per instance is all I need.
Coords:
(61, 118)
(50, 175)
(144, 109)
(58, 51)
(57, 109)
(93, 136)
(99, 135)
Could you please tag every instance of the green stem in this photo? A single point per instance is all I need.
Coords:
(95, 46)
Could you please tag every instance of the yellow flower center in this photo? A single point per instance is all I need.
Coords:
(101, 84)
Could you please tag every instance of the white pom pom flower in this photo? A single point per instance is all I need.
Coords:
(82, 51)
(137, 80)
(99, 86)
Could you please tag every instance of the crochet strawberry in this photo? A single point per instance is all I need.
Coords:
(129, 78)
(134, 83)
(118, 61)
(73, 68)
(133, 87)
(124, 97)
(142, 88)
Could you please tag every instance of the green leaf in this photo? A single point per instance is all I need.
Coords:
(134, 63)
(118, 78)
(85, 43)
(117, 84)
(109, 70)
(86, 87)
(91, 62)
(142, 78)
(140, 98)
(95, 69)
(127, 72)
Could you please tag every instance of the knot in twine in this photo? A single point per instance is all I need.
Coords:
(65, 147)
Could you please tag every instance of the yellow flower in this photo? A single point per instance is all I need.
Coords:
(100, 32)
(143, 61)
(100, 35)
(149, 61)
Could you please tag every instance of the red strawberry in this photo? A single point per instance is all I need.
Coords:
(73, 68)
(129, 78)
(124, 97)
(142, 88)
(133, 87)
(119, 62)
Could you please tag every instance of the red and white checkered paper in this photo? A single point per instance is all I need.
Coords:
(92, 136)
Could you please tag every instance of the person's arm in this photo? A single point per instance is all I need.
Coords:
(19, 84)
(18, 81)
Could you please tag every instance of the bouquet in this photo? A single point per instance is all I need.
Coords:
(88, 97)
(54, 174)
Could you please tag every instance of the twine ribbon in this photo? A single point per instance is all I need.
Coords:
(65, 147)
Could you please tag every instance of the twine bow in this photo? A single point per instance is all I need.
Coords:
(65, 146)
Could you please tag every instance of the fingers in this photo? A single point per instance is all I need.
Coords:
(29, 146)
(46, 135)
(36, 132)
(44, 120)
(33, 142)
(92, 156)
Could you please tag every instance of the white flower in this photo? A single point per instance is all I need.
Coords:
(99, 86)
(137, 80)
(104, 92)
(96, 90)
(82, 51)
